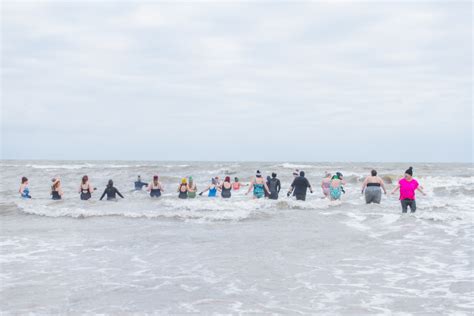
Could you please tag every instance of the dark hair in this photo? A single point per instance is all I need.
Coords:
(110, 183)
(274, 175)
(227, 179)
(85, 179)
(24, 179)
(301, 173)
(373, 173)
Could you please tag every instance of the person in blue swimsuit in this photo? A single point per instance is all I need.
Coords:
(212, 188)
(24, 188)
(258, 186)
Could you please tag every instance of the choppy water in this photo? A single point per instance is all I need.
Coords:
(234, 256)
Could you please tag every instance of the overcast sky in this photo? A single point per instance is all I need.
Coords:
(237, 81)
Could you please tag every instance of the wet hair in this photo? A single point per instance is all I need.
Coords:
(301, 173)
(274, 175)
(24, 179)
(227, 179)
(236, 179)
(409, 171)
(373, 173)
(214, 181)
(56, 184)
(85, 179)
(110, 183)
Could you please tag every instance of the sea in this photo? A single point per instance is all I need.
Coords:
(141, 255)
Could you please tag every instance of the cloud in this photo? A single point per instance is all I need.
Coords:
(248, 77)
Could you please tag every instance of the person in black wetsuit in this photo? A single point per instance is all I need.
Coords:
(274, 185)
(299, 187)
(139, 184)
(111, 191)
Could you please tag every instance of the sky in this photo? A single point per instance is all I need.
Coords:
(237, 81)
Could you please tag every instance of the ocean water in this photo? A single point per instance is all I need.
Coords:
(237, 256)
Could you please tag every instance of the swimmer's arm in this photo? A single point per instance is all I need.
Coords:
(207, 189)
(119, 193)
(395, 189)
(149, 187)
(364, 184)
(420, 188)
(266, 187)
(103, 194)
(250, 188)
(382, 184)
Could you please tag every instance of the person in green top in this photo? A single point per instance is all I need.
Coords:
(192, 188)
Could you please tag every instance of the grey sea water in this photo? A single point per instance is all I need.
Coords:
(237, 256)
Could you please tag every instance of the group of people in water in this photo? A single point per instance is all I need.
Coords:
(332, 187)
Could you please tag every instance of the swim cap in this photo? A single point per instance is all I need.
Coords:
(183, 180)
(301, 173)
(190, 178)
(409, 171)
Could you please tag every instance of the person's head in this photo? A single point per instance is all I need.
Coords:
(339, 175)
(301, 173)
(214, 181)
(155, 179)
(227, 179)
(327, 175)
(190, 180)
(139, 178)
(236, 179)
(110, 183)
(296, 173)
(373, 173)
(184, 181)
(409, 173)
(24, 180)
(258, 174)
(56, 182)
(85, 179)
(274, 175)
(268, 178)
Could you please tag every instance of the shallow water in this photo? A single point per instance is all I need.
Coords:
(234, 256)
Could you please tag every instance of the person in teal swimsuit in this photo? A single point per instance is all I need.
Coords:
(335, 187)
(258, 186)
